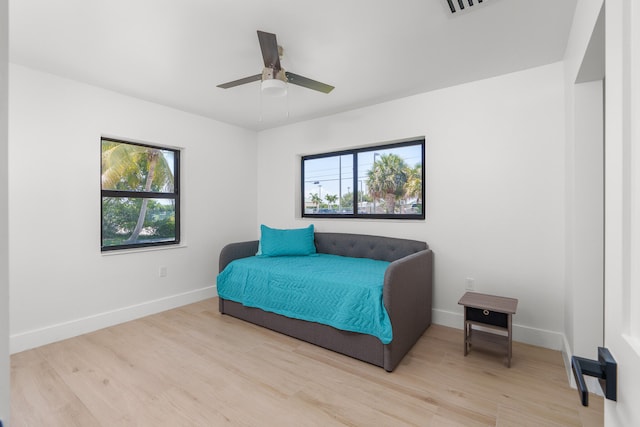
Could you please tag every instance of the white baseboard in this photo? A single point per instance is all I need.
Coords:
(48, 334)
(566, 356)
(521, 333)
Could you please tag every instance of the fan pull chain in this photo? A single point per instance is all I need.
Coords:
(260, 115)
(288, 103)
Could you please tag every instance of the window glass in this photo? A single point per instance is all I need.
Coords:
(328, 186)
(140, 197)
(120, 216)
(385, 181)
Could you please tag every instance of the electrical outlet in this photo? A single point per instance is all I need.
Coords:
(162, 271)
(470, 283)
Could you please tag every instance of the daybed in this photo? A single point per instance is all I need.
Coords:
(407, 297)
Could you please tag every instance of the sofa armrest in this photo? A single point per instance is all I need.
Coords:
(234, 251)
(407, 295)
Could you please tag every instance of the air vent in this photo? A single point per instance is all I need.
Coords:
(461, 4)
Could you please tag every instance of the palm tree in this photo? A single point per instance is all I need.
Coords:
(130, 167)
(413, 187)
(316, 199)
(331, 198)
(387, 178)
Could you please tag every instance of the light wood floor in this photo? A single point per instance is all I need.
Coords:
(193, 367)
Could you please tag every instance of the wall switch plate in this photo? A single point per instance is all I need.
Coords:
(162, 271)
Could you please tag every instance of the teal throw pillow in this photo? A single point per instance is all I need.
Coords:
(276, 242)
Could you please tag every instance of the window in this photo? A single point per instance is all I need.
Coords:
(140, 195)
(385, 181)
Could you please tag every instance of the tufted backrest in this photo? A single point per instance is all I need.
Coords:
(365, 246)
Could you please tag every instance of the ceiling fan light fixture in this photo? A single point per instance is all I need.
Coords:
(274, 87)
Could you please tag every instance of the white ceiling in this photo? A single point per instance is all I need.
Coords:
(175, 52)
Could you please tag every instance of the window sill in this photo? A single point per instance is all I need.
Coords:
(145, 249)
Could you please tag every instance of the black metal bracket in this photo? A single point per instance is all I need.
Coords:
(605, 369)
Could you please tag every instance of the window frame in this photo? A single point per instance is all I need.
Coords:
(175, 195)
(419, 141)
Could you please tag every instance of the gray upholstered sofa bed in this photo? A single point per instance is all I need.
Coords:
(407, 296)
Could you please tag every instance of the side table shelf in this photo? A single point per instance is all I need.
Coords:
(493, 315)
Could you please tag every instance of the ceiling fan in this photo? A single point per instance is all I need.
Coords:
(274, 78)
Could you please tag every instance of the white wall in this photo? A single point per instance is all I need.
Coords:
(61, 284)
(494, 188)
(584, 188)
(4, 211)
(588, 221)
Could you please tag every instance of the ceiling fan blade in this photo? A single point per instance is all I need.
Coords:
(269, 47)
(241, 81)
(308, 83)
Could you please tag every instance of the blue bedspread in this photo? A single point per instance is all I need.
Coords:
(342, 292)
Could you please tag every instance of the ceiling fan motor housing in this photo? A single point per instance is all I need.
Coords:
(269, 74)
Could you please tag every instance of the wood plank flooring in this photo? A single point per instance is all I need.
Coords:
(192, 366)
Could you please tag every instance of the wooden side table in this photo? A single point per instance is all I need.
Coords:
(491, 313)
